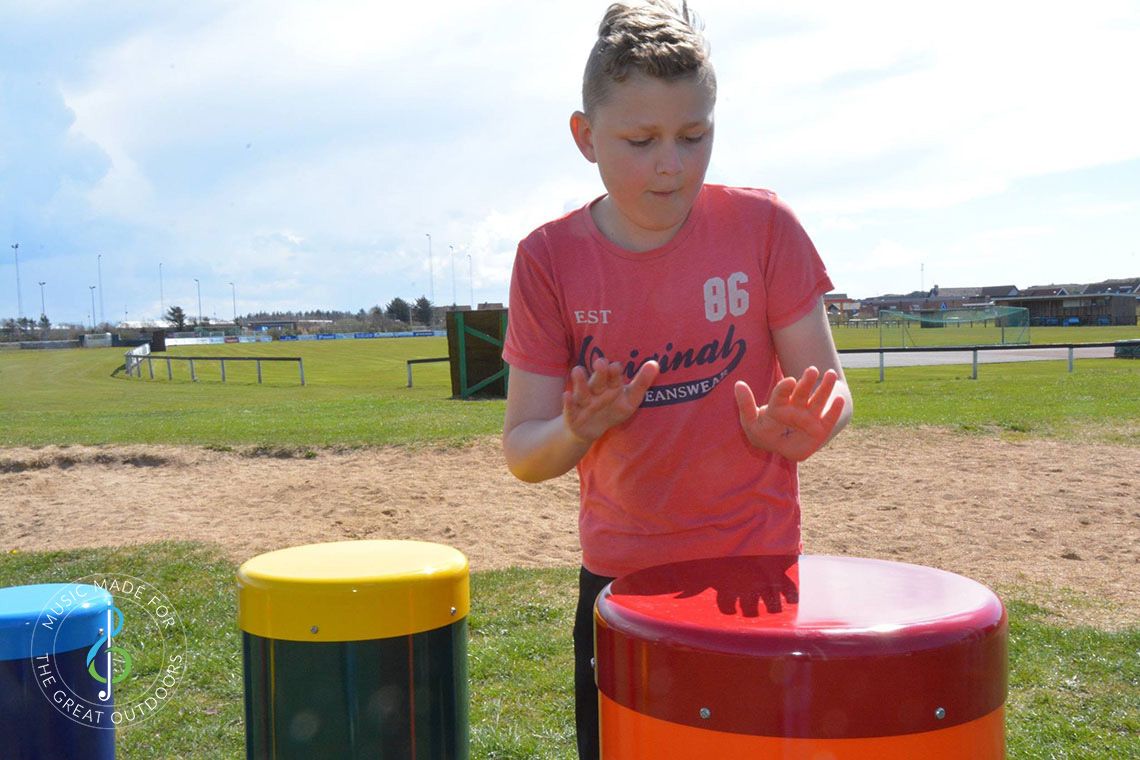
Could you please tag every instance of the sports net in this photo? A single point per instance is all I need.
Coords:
(973, 326)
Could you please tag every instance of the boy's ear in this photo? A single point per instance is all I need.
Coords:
(583, 135)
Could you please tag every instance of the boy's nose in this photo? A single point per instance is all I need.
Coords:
(669, 160)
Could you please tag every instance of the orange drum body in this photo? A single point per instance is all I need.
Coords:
(811, 658)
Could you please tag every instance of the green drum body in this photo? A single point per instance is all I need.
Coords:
(356, 649)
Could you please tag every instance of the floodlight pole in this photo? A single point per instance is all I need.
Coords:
(43, 309)
(199, 286)
(233, 293)
(92, 288)
(161, 299)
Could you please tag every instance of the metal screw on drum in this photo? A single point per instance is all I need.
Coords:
(453, 611)
(705, 713)
(314, 629)
(940, 713)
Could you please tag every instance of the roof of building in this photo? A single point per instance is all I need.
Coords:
(1119, 287)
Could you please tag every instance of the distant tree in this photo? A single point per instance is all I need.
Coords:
(422, 310)
(177, 316)
(399, 310)
(45, 323)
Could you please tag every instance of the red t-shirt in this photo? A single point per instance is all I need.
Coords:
(679, 479)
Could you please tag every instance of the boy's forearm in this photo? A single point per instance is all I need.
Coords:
(538, 450)
(841, 390)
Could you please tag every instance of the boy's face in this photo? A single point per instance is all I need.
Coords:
(652, 141)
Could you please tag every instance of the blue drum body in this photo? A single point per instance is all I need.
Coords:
(50, 706)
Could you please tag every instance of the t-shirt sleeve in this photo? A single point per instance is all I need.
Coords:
(794, 274)
(536, 336)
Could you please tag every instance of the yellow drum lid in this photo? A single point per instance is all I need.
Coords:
(352, 590)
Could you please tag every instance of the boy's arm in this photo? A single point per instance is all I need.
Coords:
(811, 404)
(548, 429)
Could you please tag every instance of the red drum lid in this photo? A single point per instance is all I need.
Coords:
(809, 646)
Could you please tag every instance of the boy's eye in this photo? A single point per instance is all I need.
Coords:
(640, 143)
(694, 138)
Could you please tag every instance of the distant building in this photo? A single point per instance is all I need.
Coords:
(1066, 309)
(265, 325)
(839, 307)
(1038, 291)
(1126, 287)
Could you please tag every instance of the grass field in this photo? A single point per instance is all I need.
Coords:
(356, 395)
(869, 337)
(1074, 692)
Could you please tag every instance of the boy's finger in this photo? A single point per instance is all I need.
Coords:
(823, 392)
(579, 388)
(745, 403)
(613, 376)
(830, 419)
(645, 376)
(804, 386)
(782, 391)
(603, 378)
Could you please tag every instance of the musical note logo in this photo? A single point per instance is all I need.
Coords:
(115, 621)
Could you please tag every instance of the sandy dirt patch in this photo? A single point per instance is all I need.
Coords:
(1058, 521)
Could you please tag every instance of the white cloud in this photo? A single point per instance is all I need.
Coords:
(304, 150)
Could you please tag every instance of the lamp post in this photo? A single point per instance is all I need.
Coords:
(43, 309)
(233, 292)
(92, 287)
(161, 299)
(471, 280)
(198, 285)
(19, 298)
(431, 273)
(453, 299)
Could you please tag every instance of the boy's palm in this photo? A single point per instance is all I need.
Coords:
(595, 404)
(796, 421)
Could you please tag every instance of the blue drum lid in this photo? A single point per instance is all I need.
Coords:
(60, 617)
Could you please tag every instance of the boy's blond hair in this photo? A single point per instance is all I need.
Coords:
(651, 37)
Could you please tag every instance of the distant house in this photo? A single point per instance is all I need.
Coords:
(1115, 287)
(839, 307)
(1038, 291)
(990, 292)
(265, 325)
(957, 295)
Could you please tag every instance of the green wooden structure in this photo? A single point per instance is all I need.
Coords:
(475, 348)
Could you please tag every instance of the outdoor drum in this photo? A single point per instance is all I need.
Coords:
(356, 649)
(800, 657)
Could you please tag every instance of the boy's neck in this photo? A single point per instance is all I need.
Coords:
(623, 233)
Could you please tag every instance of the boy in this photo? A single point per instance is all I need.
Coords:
(629, 315)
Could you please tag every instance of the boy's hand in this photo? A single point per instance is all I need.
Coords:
(594, 405)
(793, 423)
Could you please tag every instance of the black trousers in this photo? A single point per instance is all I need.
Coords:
(585, 687)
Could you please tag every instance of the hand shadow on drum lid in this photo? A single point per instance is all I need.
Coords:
(740, 583)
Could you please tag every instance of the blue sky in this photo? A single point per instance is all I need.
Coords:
(304, 151)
